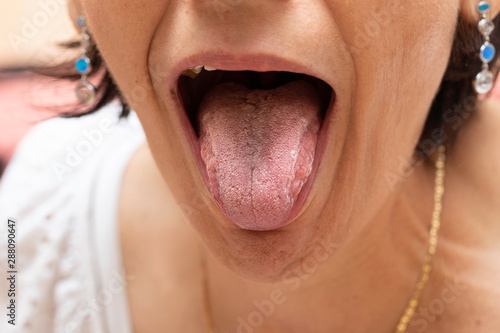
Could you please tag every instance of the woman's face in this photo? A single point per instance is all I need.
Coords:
(275, 161)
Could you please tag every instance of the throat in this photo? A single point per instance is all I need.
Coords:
(342, 295)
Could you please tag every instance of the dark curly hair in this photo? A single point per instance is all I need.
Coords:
(455, 101)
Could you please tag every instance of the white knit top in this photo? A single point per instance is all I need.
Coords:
(62, 189)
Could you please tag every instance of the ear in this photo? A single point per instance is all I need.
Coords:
(75, 10)
(469, 10)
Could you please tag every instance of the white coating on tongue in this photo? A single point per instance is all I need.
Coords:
(258, 147)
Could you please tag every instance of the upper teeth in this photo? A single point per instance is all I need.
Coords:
(194, 71)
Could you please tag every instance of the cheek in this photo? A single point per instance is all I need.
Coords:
(123, 40)
(400, 50)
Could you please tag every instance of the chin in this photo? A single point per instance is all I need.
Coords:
(276, 255)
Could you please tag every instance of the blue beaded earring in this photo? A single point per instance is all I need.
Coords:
(485, 79)
(85, 91)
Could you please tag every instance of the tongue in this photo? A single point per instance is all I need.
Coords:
(258, 147)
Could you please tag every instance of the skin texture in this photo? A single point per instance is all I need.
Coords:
(351, 258)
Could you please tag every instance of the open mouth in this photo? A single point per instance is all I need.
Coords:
(257, 134)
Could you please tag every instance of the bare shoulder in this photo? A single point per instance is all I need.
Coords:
(484, 124)
(150, 220)
(492, 103)
(159, 249)
(144, 191)
(476, 152)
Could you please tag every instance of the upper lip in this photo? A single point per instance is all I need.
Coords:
(258, 62)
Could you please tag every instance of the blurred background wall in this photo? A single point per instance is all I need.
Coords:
(30, 31)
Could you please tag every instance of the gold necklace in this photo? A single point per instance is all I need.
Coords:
(207, 313)
(431, 247)
(426, 266)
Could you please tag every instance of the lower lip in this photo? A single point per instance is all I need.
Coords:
(301, 199)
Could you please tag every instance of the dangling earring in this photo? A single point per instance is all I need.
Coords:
(85, 91)
(485, 79)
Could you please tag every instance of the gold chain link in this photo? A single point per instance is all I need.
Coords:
(433, 238)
